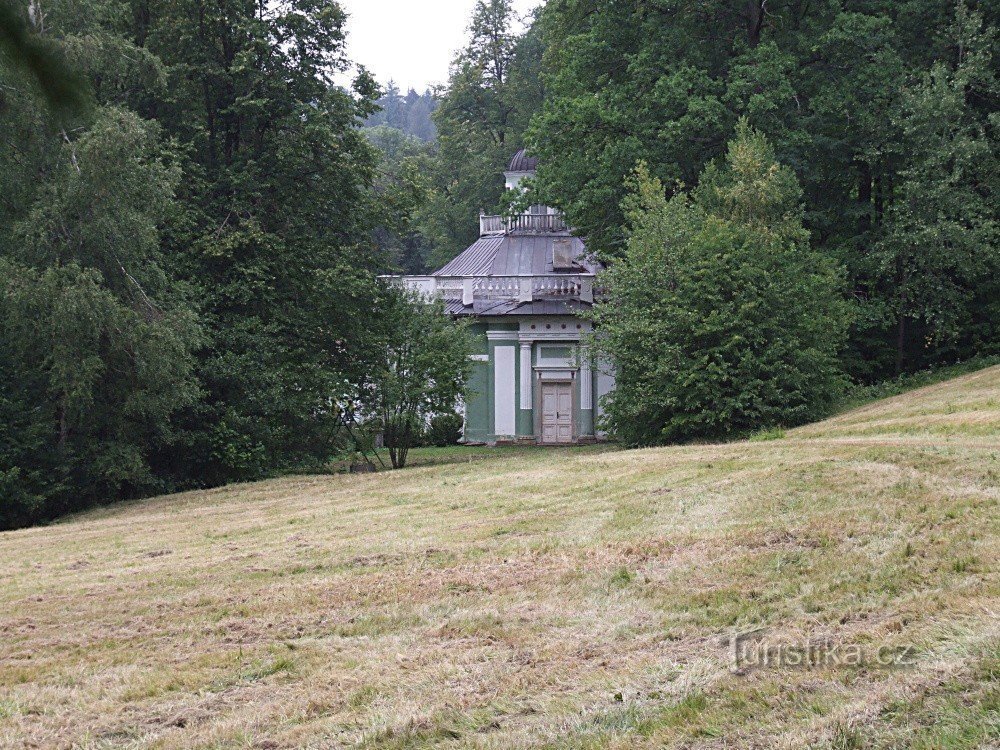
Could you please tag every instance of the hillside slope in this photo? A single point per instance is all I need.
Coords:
(964, 407)
(566, 599)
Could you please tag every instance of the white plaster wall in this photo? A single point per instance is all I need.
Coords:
(504, 412)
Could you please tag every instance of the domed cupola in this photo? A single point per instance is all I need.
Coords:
(520, 166)
(522, 162)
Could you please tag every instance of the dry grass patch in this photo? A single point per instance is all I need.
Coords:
(568, 598)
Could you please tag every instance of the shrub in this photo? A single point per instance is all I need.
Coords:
(445, 429)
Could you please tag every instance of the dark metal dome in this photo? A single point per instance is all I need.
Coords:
(522, 163)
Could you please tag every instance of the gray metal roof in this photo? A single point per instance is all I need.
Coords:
(551, 307)
(521, 162)
(495, 308)
(475, 260)
(515, 255)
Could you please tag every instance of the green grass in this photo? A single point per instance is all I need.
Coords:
(860, 395)
(523, 598)
(435, 456)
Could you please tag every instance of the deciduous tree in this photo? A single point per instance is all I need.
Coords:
(422, 370)
(940, 241)
(719, 318)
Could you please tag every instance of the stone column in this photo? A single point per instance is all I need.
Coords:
(586, 396)
(525, 415)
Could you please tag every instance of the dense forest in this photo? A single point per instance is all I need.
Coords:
(189, 249)
(886, 111)
(410, 114)
(187, 261)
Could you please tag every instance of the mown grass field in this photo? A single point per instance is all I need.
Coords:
(579, 598)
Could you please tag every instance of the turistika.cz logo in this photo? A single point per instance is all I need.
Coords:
(753, 650)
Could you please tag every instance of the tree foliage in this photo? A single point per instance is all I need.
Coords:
(276, 220)
(189, 267)
(403, 188)
(97, 341)
(492, 93)
(719, 318)
(409, 113)
(422, 370)
(938, 249)
(62, 86)
(846, 92)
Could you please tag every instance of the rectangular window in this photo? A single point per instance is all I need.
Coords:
(560, 355)
(555, 352)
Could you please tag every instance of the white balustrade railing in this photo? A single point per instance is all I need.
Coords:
(519, 288)
(526, 223)
(559, 286)
(491, 225)
(449, 287)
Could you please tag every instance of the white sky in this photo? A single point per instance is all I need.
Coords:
(410, 41)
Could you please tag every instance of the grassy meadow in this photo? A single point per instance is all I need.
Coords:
(564, 598)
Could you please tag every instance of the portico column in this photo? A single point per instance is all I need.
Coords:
(525, 423)
(586, 395)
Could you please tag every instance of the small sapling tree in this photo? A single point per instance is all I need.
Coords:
(422, 369)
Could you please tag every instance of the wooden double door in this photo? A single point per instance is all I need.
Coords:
(557, 412)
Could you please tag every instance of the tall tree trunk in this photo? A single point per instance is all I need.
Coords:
(405, 443)
(900, 345)
(755, 20)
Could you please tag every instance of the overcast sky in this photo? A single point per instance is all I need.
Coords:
(410, 41)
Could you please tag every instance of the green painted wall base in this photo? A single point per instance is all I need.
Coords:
(481, 409)
(525, 423)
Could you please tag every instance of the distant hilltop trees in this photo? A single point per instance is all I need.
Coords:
(410, 113)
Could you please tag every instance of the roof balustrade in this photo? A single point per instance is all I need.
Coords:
(522, 224)
(520, 288)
